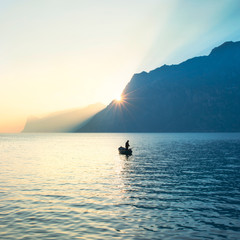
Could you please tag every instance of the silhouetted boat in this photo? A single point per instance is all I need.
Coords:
(125, 151)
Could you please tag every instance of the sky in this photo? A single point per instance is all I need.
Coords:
(63, 54)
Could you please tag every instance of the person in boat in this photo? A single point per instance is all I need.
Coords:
(127, 144)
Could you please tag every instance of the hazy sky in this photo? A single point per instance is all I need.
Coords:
(60, 54)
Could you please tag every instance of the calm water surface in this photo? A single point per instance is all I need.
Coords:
(77, 186)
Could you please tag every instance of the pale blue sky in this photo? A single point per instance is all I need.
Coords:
(60, 54)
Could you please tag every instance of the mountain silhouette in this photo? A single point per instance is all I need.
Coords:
(201, 94)
(63, 121)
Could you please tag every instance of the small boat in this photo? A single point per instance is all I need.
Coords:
(125, 151)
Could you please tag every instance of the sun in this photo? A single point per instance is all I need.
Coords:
(119, 98)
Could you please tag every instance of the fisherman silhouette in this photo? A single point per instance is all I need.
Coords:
(127, 144)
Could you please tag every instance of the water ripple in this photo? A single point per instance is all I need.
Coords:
(76, 186)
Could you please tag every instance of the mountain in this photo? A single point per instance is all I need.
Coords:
(201, 94)
(63, 121)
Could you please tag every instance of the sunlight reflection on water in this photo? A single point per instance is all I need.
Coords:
(71, 186)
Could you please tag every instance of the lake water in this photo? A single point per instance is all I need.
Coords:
(77, 186)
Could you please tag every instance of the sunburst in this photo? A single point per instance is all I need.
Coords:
(119, 98)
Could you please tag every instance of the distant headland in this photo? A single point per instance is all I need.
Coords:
(63, 121)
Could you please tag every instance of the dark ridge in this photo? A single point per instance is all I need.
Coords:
(201, 94)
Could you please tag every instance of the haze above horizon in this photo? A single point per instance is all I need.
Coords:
(60, 54)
